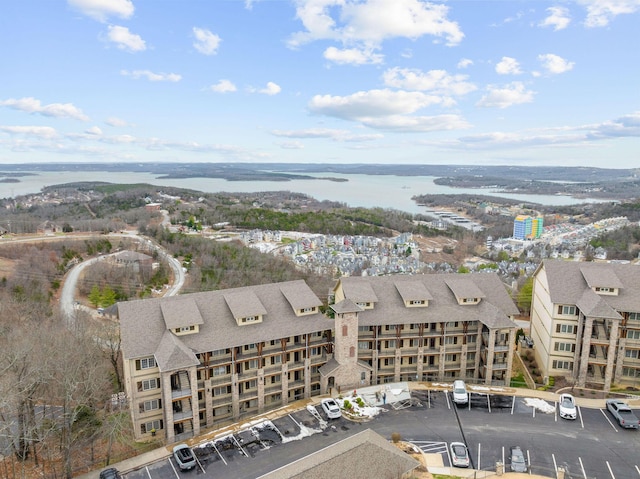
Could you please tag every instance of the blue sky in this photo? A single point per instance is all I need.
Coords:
(321, 81)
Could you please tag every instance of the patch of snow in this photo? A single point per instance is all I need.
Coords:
(304, 432)
(540, 405)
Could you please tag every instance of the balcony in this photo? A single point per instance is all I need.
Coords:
(182, 415)
(180, 393)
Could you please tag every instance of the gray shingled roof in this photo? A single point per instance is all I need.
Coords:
(364, 455)
(142, 323)
(592, 304)
(462, 287)
(597, 277)
(244, 304)
(413, 291)
(359, 291)
(172, 354)
(346, 306)
(299, 297)
(178, 314)
(566, 282)
(390, 308)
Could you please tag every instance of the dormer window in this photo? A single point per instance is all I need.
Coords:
(182, 330)
(606, 290)
(365, 305)
(251, 319)
(470, 300)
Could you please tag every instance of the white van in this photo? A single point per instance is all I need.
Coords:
(460, 395)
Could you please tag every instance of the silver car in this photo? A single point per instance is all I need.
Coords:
(516, 460)
(459, 454)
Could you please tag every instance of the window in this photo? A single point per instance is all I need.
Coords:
(219, 352)
(417, 301)
(633, 334)
(251, 364)
(567, 328)
(631, 372)
(276, 359)
(451, 340)
(150, 405)
(557, 364)
(391, 344)
(634, 316)
(221, 390)
(363, 376)
(364, 329)
(148, 384)
(145, 363)
(248, 347)
(631, 353)
(604, 290)
(568, 347)
(567, 310)
(317, 351)
(151, 426)
(451, 358)
(185, 329)
(249, 319)
(308, 310)
(472, 338)
(471, 357)
(219, 371)
(251, 384)
(275, 379)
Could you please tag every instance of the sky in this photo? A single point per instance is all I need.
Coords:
(501, 82)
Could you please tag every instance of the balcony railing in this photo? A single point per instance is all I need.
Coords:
(179, 393)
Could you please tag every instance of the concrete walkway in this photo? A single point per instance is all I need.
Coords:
(378, 395)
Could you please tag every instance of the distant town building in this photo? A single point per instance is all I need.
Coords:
(526, 227)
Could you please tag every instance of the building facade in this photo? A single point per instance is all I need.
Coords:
(585, 322)
(527, 227)
(198, 360)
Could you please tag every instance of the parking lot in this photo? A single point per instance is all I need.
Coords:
(591, 446)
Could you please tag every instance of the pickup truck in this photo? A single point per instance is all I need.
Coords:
(623, 413)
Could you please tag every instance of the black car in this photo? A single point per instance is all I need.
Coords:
(111, 473)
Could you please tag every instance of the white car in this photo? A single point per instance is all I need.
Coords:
(331, 408)
(460, 395)
(567, 406)
(459, 454)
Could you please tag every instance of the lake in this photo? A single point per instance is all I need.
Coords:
(367, 191)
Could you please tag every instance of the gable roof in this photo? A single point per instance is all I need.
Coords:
(566, 282)
(172, 354)
(142, 323)
(361, 456)
(462, 287)
(390, 307)
(359, 291)
(412, 291)
(244, 303)
(597, 277)
(299, 296)
(183, 313)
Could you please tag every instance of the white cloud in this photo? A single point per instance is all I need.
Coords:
(94, 130)
(555, 64)
(437, 81)
(464, 63)
(354, 56)
(370, 22)
(57, 110)
(223, 86)
(206, 42)
(386, 109)
(558, 18)
(270, 89)
(337, 135)
(113, 121)
(125, 40)
(151, 76)
(601, 12)
(514, 93)
(291, 145)
(508, 66)
(101, 10)
(45, 132)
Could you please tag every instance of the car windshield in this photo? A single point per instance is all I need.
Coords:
(459, 451)
(517, 458)
(567, 402)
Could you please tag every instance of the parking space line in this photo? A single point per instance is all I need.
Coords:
(503, 458)
(638, 470)
(580, 415)
(221, 456)
(555, 411)
(293, 419)
(555, 466)
(429, 398)
(478, 466)
(488, 402)
(608, 420)
(240, 446)
(198, 461)
(584, 473)
(610, 471)
(446, 394)
(529, 461)
(173, 467)
(513, 404)
(148, 472)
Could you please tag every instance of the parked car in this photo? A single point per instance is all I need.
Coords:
(111, 473)
(567, 406)
(460, 395)
(459, 454)
(517, 460)
(623, 413)
(184, 457)
(331, 408)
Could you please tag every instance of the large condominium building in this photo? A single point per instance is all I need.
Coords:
(526, 227)
(585, 322)
(197, 360)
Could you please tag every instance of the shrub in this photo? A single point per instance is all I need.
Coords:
(396, 437)
(347, 405)
(360, 402)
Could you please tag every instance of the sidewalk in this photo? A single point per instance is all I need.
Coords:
(378, 395)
